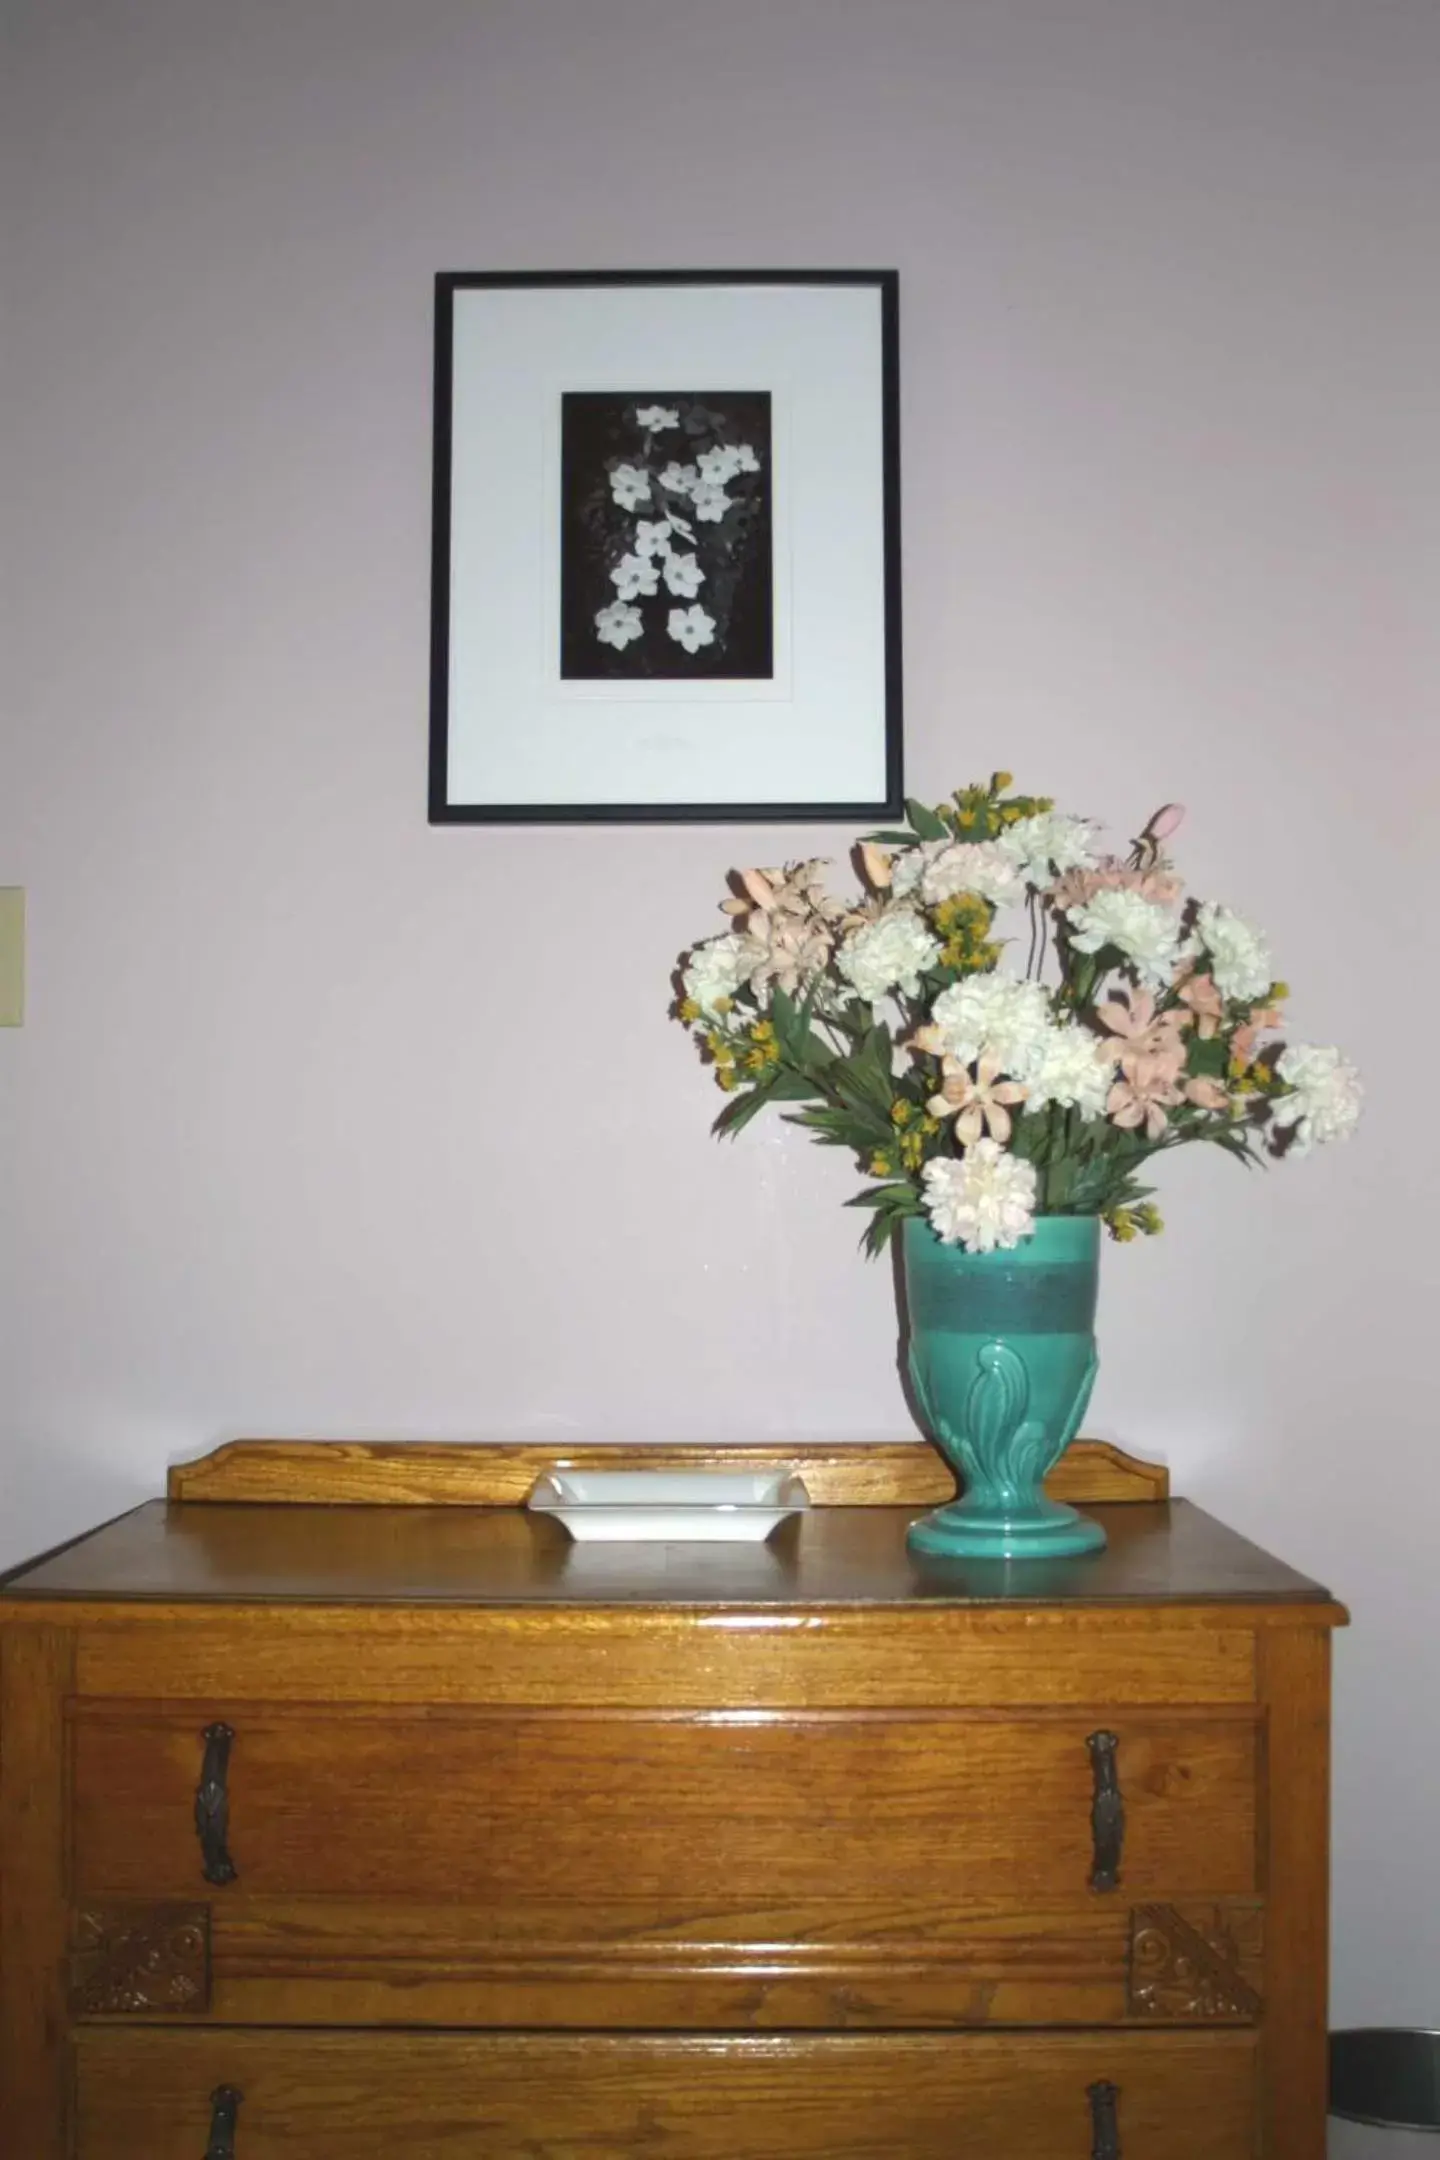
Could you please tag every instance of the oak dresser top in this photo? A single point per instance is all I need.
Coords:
(386, 1546)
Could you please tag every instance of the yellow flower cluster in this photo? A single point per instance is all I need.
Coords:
(763, 1054)
(1127, 1223)
(979, 814)
(722, 1052)
(914, 1130)
(751, 1056)
(907, 1149)
(963, 925)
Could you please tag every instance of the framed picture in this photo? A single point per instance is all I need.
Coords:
(666, 568)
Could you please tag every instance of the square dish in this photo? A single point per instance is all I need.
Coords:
(694, 1506)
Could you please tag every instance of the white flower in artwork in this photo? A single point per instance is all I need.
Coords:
(1239, 956)
(617, 624)
(717, 969)
(679, 479)
(745, 458)
(1326, 1097)
(691, 627)
(985, 1201)
(1142, 931)
(630, 486)
(711, 502)
(994, 1016)
(656, 417)
(1050, 843)
(652, 539)
(719, 465)
(1070, 1067)
(634, 576)
(889, 954)
(683, 575)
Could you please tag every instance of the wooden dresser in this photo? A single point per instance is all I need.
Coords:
(349, 1812)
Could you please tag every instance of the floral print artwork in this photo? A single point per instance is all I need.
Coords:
(666, 548)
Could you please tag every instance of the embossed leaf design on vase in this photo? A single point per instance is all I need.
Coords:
(1002, 1359)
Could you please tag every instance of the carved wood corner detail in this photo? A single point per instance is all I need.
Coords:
(133, 1958)
(1205, 1961)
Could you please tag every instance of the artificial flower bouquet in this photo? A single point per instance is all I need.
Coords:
(1006, 1021)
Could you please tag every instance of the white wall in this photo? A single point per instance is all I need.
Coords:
(323, 1122)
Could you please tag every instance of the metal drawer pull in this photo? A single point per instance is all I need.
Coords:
(224, 2107)
(1107, 1811)
(1104, 2121)
(212, 1805)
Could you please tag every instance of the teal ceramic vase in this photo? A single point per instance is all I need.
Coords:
(1002, 1359)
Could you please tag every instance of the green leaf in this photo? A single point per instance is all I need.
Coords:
(928, 824)
(1210, 1059)
(785, 1014)
(836, 1128)
(1239, 1143)
(738, 1111)
(890, 839)
(794, 1087)
(864, 1099)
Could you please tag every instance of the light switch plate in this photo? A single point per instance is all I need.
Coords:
(12, 955)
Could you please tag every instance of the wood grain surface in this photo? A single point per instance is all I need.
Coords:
(35, 1679)
(655, 1657)
(383, 2096)
(1169, 1553)
(518, 1808)
(902, 1473)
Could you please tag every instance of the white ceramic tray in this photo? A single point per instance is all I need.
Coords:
(713, 1506)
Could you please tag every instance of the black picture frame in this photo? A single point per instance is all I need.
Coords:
(460, 723)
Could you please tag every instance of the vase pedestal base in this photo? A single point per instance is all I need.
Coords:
(970, 1529)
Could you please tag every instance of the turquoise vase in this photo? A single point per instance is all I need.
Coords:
(1002, 1359)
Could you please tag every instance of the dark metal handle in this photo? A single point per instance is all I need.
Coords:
(1104, 2121)
(224, 2107)
(1107, 1811)
(212, 1805)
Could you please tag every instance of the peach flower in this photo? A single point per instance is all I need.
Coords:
(1147, 1090)
(1137, 1034)
(977, 1103)
(1078, 887)
(1205, 1003)
(1244, 1041)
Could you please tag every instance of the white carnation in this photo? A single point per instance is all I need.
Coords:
(1049, 844)
(889, 954)
(970, 866)
(1072, 1069)
(1239, 957)
(939, 869)
(717, 969)
(1327, 1095)
(994, 1016)
(906, 871)
(983, 1201)
(1147, 934)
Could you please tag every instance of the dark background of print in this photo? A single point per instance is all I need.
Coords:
(598, 430)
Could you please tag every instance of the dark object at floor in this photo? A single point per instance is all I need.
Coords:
(1385, 2076)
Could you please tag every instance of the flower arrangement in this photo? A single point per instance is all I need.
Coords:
(978, 1093)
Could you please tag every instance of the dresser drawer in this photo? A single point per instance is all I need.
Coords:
(676, 1811)
(743, 1871)
(347, 2096)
